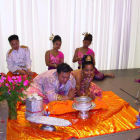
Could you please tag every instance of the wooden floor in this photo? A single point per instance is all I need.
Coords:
(123, 85)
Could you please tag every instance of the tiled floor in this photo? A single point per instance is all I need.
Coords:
(123, 85)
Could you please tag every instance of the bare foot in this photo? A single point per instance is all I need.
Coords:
(109, 75)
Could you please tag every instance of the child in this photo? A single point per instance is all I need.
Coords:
(85, 50)
(54, 57)
(18, 58)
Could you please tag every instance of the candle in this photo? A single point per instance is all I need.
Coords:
(138, 94)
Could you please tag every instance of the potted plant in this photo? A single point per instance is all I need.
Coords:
(11, 90)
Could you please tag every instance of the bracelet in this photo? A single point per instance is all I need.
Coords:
(59, 97)
(77, 86)
(88, 93)
(84, 94)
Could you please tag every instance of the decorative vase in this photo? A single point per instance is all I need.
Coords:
(12, 110)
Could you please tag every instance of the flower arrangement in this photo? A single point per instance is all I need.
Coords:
(137, 81)
(11, 91)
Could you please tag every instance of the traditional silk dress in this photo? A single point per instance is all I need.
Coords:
(18, 60)
(56, 60)
(94, 89)
(48, 86)
(98, 75)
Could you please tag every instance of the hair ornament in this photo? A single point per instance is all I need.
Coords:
(88, 58)
(52, 37)
(85, 33)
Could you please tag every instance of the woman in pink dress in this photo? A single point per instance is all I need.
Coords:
(84, 77)
(54, 57)
(85, 50)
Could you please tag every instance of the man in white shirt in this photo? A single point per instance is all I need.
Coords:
(18, 58)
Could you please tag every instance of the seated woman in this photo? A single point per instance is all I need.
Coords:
(18, 59)
(83, 78)
(54, 57)
(85, 50)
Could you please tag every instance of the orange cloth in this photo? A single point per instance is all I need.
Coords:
(113, 115)
(62, 107)
(10, 74)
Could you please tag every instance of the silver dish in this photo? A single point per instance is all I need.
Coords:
(93, 105)
(83, 112)
(83, 99)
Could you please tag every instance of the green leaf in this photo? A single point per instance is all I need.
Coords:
(1, 98)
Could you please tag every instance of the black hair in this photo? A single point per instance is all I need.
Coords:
(63, 67)
(13, 37)
(138, 138)
(85, 62)
(56, 38)
(88, 37)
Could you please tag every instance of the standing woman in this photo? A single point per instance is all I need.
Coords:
(85, 50)
(54, 57)
(84, 77)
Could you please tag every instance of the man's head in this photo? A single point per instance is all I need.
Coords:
(14, 42)
(63, 72)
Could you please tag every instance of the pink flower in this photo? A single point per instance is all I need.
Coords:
(25, 83)
(1, 80)
(9, 92)
(13, 77)
(22, 89)
(10, 79)
(19, 79)
(138, 81)
(7, 84)
(3, 77)
(15, 81)
(25, 76)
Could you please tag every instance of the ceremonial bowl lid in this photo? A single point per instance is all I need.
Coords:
(83, 99)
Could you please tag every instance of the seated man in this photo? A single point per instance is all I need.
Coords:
(18, 59)
(54, 85)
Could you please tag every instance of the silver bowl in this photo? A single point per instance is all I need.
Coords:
(83, 99)
(83, 112)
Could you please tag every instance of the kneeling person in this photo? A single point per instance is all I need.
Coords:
(54, 85)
